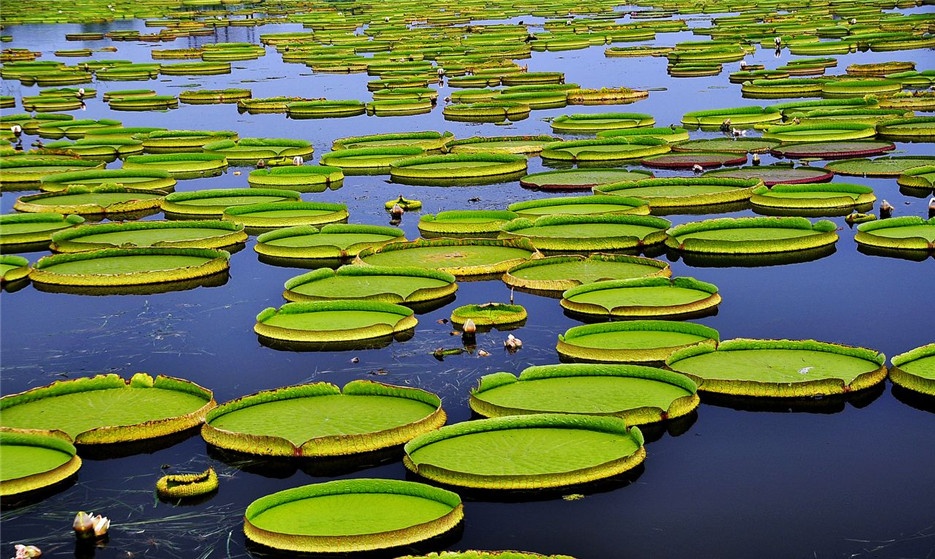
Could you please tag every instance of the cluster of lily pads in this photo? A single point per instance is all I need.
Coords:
(574, 422)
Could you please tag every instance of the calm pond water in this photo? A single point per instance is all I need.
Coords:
(736, 480)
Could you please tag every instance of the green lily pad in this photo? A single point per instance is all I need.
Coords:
(464, 223)
(26, 232)
(585, 123)
(366, 416)
(333, 241)
(131, 234)
(13, 268)
(400, 285)
(351, 515)
(526, 452)
(251, 150)
(26, 171)
(81, 200)
(428, 140)
(828, 198)
(328, 324)
(730, 145)
(579, 205)
(465, 258)
(682, 192)
(687, 160)
(122, 267)
(107, 409)
(580, 179)
(155, 180)
(906, 233)
(376, 160)
(180, 165)
(632, 341)
(464, 168)
(636, 393)
(501, 144)
(555, 274)
(915, 369)
(780, 368)
(212, 202)
(604, 150)
(302, 178)
(486, 315)
(751, 235)
(35, 460)
(890, 166)
(285, 214)
(653, 297)
(833, 149)
(576, 233)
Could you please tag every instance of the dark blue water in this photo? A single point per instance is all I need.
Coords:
(851, 478)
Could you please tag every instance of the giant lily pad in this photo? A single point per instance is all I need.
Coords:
(919, 128)
(333, 241)
(122, 267)
(830, 198)
(155, 180)
(736, 116)
(213, 202)
(26, 232)
(286, 214)
(775, 174)
(302, 178)
(915, 369)
(251, 150)
(906, 233)
(501, 316)
(13, 268)
(585, 123)
(642, 297)
(580, 179)
(331, 324)
(400, 285)
(108, 409)
(555, 274)
(366, 416)
(780, 368)
(526, 451)
(569, 232)
(820, 132)
(376, 160)
(351, 515)
(465, 168)
(464, 258)
(579, 205)
(918, 178)
(833, 149)
(35, 460)
(26, 171)
(751, 235)
(632, 341)
(501, 144)
(180, 165)
(465, 223)
(129, 234)
(890, 166)
(681, 192)
(603, 150)
(635, 393)
(82, 200)
(427, 140)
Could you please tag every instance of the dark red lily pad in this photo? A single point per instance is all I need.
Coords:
(688, 160)
(833, 150)
(775, 174)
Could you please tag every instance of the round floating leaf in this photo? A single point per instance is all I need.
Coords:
(682, 192)
(555, 274)
(832, 149)
(427, 140)
(501, 144)
(642, 297)
(365, 417)
(571, 232)
(25, 232)
(213, 202)
(351, 515)
(751, 235)
(369, 160)
(334, 322)
(486, 315)
(121, 267)
(396, 284)
(129, 234)
(907, 233)
(580, 179)
(526, 452)
(108, 409)
(635, 393)
(13, 268)
(730, 145)
(780, 368)
(333, 241)
(915, 369)
(302, 178)
(26, 171)
(605, 149)
(286, 214)
(775, 174)
(465, 223)
(918, 177)
(880, 166)
(579, 205)
(465, 258)
(251, 150)
(821, 132)
(735, 116)
(111, 200)
(816, 198)
(688, 160)
(180, 165)
(920, 128)
(585, 123)
(632, 341)
(35, 460)
(155, 180)
(452, 168)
